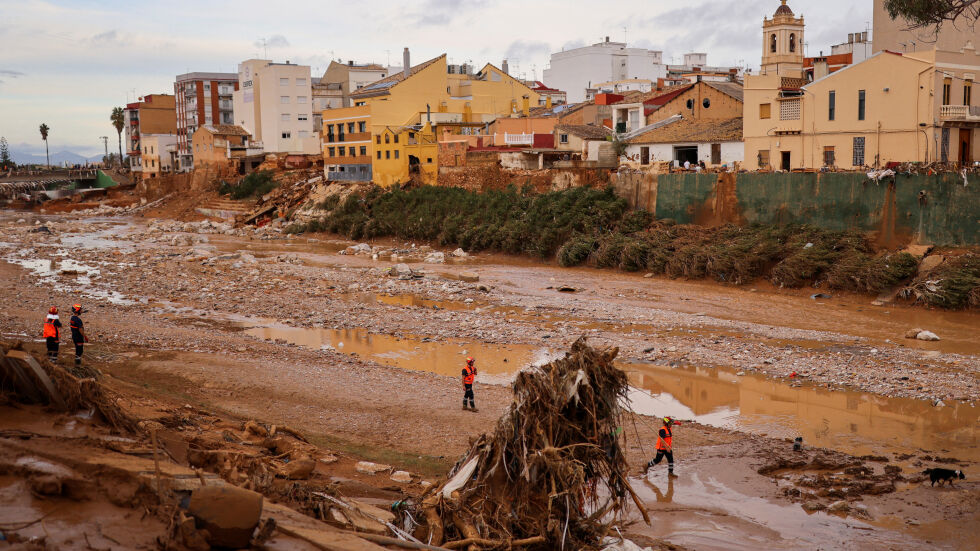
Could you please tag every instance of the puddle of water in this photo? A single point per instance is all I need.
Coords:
(707, 514)
(49, 270)
(853, 422)
(496, 362)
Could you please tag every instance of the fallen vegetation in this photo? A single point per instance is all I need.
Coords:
(553, 475)
(593, 226)
(255, 184)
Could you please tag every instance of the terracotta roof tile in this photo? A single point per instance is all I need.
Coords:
(226, 129)
(585, 131)
(694, 131)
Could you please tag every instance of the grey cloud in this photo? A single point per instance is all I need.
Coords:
(523, 50)
(277, 41)
(442, 12)
(572, 44)
(105, 38)
(11, 73)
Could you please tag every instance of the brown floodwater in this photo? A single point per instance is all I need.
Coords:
(495, 362)
(854, 422)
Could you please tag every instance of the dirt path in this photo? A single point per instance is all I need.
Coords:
(290, 332)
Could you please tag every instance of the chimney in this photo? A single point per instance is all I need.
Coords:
(428, 111)
(864, 36)
(820, 68)
(504, 67)
(850, 38)
(407, 62)
(607, 39)
(526, 105)
(547, 101)
(350, 62)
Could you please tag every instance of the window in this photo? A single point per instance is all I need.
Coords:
(377, 140)
(284, 82)
(300, 99)
(429, 160)
(285, 116)
(350, 128)
(947, 90)
(330, 137)
(379, 154)
(363, 150)
(706, 102)
(302, 117)
(387, 138)
(362, 126)
(284, 99)
(716, 153)
(792, 42)
(861, 104)
(562, 138)
(765, 110)
(343, 151)
(396, 153)
(331, 151)
(967, 92)
(388, 154)
(772, 43)
(763, 158)
(828, 155)
(832, 105)
(858, 159)
(396, 138)
(286, 135)
(301, 82)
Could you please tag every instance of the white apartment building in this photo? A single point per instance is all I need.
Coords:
(579, 69)
(274, 104)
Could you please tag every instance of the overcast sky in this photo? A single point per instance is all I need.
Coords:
(67, 63)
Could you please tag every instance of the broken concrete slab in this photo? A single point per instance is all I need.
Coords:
(401, 476)
(368, 467)
(469, 277)
(229, 514)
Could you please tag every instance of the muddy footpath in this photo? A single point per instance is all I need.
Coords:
(356, 350)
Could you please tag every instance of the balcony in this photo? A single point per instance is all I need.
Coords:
(960, 113)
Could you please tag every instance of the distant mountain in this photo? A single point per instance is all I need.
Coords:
(59, 158)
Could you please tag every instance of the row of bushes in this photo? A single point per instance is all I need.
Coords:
(594, 227)
(789, 256)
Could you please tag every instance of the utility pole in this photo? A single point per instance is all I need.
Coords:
(105, 143)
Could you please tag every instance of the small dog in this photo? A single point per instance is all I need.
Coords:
(943, 475)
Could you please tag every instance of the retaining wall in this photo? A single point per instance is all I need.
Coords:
(936, 210)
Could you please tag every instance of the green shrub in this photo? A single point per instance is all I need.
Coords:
(576, 250)
(254, 185)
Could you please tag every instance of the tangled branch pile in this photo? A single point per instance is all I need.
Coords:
(552, 475)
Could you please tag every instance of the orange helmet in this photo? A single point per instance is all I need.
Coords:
(53, 310)
(667, 420)
(470, 360)
(76, 308)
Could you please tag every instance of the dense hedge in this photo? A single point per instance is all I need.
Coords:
(593, 226)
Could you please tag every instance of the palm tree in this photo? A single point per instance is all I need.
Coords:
(44, 136)
(118, 121)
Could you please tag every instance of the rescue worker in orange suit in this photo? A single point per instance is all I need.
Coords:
(665, 446)
(52, 333)
(469, 375)
(78, 335)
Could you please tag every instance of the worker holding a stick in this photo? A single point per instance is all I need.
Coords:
(665, 446)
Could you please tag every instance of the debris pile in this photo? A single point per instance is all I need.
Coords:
(553, 474)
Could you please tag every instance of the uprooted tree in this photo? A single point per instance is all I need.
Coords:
(552, 475)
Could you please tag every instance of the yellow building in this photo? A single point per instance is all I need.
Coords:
(891, 107)
(413, 107)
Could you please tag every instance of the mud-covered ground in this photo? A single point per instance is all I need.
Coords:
(286, 330)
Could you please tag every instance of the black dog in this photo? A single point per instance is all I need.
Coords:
(943, 475)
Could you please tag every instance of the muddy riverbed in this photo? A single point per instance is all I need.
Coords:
(290, 330)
